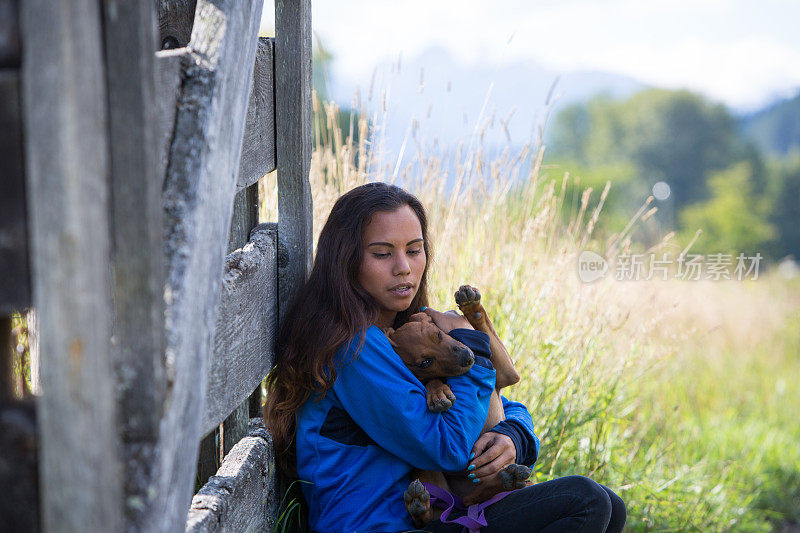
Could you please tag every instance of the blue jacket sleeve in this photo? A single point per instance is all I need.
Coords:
(518, 426)
(385, 399)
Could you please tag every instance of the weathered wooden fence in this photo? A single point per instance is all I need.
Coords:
(137, 132)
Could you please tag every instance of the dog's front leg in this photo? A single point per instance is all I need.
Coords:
(468, 299)
(440, 397)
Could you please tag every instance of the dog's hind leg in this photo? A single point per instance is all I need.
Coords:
(418, 503)
(418, 499)
(468, 299)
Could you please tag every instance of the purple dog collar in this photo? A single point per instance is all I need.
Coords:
(474, 519)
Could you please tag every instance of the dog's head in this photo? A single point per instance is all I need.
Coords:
(428, 351)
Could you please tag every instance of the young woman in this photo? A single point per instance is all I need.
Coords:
(348, 417)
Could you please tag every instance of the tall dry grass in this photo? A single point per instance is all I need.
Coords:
(680, 395)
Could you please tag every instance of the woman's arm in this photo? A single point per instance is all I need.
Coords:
(385, 399)
(510, 441)
(518, 425)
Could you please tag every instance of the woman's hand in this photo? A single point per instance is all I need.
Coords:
(493, 452)
(447, 321)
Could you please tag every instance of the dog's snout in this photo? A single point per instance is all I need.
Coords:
(465, 356)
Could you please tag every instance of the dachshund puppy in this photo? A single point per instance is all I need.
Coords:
(433, 355)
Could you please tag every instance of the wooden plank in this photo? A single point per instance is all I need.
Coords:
(258, 150)
(9, 34)
(246, 326)
(168, 90)
(198, 200)
(19, 507)
(33, 350)
(14, 270)
(243, 494)
(130, 46)
(245, 218)
(258, 146)
(66, 147)
(6, 360)
(175, 22)
(293, 140)
(235, 426)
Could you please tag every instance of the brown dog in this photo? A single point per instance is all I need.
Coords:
(431, 354)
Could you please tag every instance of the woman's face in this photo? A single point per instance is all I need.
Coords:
(394, 260)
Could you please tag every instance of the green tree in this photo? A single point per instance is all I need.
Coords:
(784, 195)
(673, 136)
(733, 219)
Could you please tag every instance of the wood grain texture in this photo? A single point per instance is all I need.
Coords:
(258, 145)
(7, 354)
(14, 270)
(9, 34)
(246, 326)
(242, 496)
(168, 90)
(15, 292)
(66, 147)
(198, 200)
(293, 139)
(175, 22)
(138, 349)
(258, 148)
(245, 218)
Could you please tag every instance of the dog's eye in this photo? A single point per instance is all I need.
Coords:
(426, 363)
(440, 335)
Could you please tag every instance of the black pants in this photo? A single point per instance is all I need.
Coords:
(572, 503)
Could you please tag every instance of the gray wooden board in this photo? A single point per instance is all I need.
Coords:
(198, 199)
(258, 148)
(9, 34)
(66, 150)
(245, 218)
(130, 46)
(168, 89)
(246, 326)
(7, 353)
(175, 21)
(14, 273)
(293, 140)
(242, 496)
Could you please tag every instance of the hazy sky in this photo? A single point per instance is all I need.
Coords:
(741, 52)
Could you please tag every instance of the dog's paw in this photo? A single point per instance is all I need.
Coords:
(468, 299)
(440, 397)
(515, 476)
(418, 502)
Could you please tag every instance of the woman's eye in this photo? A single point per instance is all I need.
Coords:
(380, 255)
(414, 252)
(426, 363)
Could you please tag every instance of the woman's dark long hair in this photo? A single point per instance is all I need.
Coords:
(330, 309)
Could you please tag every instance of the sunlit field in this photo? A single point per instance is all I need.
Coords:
(682, 396)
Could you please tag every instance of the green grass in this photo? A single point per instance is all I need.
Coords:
(679, 395)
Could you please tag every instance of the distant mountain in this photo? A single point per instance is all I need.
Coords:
(774, 129)
(446, 98)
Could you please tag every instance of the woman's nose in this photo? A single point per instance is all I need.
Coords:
(401, 265)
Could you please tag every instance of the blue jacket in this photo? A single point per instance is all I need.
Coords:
(357, 445)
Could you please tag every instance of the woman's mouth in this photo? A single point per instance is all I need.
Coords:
(402, 289)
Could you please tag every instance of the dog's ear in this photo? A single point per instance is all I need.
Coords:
(389, 332)
(420, 317)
